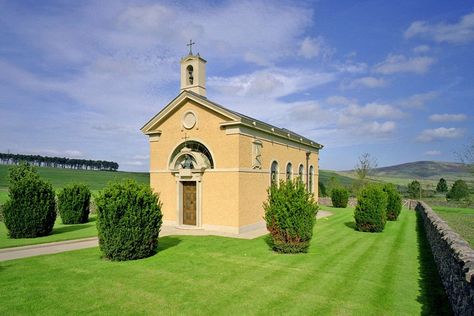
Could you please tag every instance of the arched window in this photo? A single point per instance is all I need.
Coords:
(193, 146)
(190, 71)
(311, 179)
(289, 171)
(301, 172)
(274, 173)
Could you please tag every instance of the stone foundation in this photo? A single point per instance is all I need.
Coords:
(454, 259)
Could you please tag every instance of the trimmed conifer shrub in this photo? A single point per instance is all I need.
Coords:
(370, 212)
(394, 202)
(129, 219)
(339, 197)
(322, 189)
(442, 186)
(73, 204)
(458, 191)
(290, 215)
(31, 209)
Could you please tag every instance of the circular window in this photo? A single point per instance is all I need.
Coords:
(189, 120)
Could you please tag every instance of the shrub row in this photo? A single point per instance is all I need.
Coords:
(129, 215)
(375, 205)
(31, 208)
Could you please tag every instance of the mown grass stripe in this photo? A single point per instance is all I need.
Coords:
(214, 275)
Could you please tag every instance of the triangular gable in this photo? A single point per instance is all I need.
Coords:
(183, 97)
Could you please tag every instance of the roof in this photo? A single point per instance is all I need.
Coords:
(236, 119)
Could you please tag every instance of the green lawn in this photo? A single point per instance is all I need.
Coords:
(59, 177)
(459, 219)
(60, 233)
(345, 273)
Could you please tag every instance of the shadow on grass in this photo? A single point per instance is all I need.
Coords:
(351, 225)
(432, 295)
(167, 242)
(269, 241)
(69, 228)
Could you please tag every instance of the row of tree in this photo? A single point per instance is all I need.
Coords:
(459, 190)
(58, 162)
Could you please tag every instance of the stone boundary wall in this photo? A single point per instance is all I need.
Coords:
(454, 259)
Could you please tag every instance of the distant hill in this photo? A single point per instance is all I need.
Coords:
(326, 175)
(425, 171)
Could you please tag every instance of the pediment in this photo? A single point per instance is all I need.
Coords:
(182, 99)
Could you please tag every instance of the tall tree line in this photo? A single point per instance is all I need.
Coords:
(58, 162)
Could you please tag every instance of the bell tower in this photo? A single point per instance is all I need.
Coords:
(193, 72)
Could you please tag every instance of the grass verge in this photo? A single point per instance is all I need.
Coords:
(344, 272)
(460, 220)
(60, 233)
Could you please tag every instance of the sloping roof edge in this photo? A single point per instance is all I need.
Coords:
(238, 119)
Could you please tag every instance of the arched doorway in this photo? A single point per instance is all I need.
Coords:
(188, 162)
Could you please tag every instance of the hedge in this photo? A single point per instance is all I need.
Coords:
(73, 204)
(339, 197)
(129, 219)
(31, 209)
(370, 211)
(290, 215)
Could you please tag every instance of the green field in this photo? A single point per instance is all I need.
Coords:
(345, 273)
(60, 233)
(427, 173)
(459, 219)
(59, 177)
(326, 175)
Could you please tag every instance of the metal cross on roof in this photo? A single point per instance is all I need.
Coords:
(191, 43)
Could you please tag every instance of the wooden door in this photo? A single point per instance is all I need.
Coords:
(189, 203)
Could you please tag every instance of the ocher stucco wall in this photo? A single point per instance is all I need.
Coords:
(232, 192)
(253, 185)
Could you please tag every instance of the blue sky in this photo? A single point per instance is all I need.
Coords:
(392, 78)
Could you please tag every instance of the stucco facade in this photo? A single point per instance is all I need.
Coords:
(226, 156)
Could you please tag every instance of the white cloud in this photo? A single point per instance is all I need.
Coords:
(340, 100)
(460, 32)
(368, 120)
(432, 153)
(400, 63)
(351, 67)
(418, 101)
(421, 49)
(367, 82)
(271, 82)
(440, 133)
(135, 163)
(379, 128)
(308, 111)
(315, 47)
(374, 110)
(107, 77)
(141, 157)
(448, 117)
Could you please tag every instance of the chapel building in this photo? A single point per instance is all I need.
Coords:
(212, 166)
